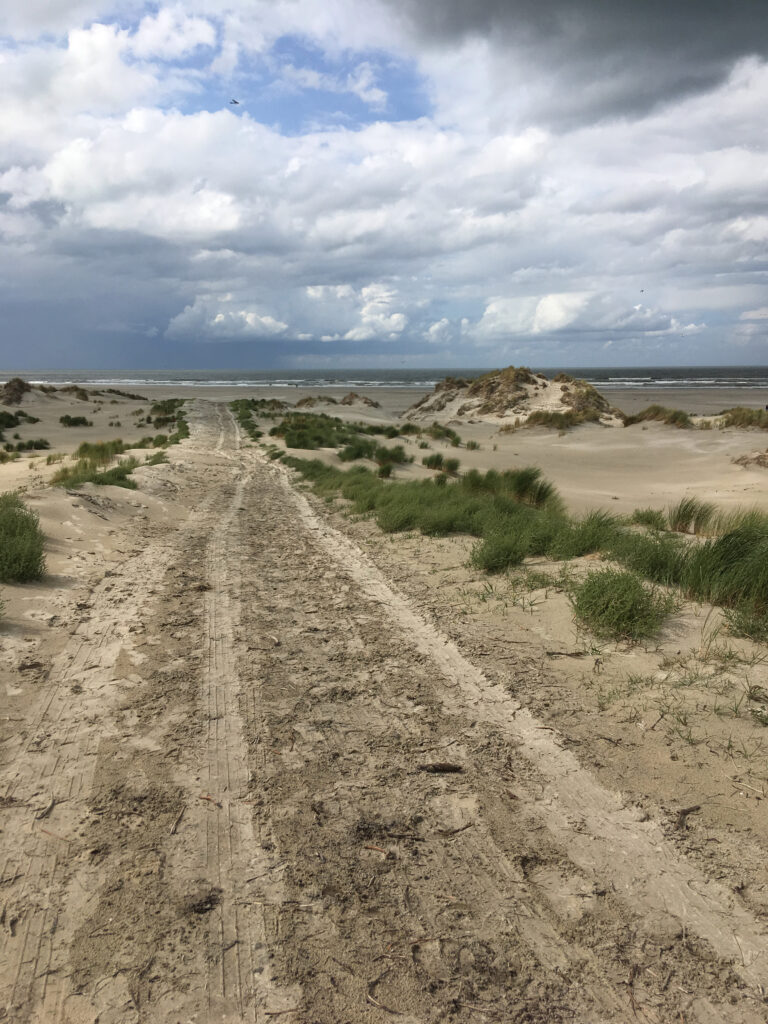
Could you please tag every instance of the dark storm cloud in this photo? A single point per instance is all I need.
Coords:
(617, 56)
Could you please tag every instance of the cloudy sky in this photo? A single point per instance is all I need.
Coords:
(401, 183)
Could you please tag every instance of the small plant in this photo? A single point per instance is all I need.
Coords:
(21, 541)
(616, 604)
(498, 552)
(451, 466)
(434, 461)
(472, 446)
(748, 621)
(158, 459)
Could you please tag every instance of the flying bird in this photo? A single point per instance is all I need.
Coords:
(235, 103)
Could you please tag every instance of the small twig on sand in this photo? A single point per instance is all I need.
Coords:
(455, 831)
(279, 1013)
(210, 799)
(177, 822)
(441, 767)
(683, 814)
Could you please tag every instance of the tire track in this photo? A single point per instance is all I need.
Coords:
(49, 775)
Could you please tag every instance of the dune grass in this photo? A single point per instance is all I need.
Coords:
(516, 514)
(617, 605)
(244, 409)
(691, 515)
(660, 414)
(740, 416)
(21, 541)
(562, 420)
(92, 458)
(653, 518)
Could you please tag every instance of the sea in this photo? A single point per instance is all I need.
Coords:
(633, 378)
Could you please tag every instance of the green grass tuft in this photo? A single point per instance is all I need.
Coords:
(615, 604)
(691, 515)
(653, 518)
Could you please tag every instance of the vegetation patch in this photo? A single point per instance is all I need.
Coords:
(617, 605)
(742, 417)
(75, 421)
(660, 414)
(562, 420)
(21, 541)
(653, 518)
(13, 391)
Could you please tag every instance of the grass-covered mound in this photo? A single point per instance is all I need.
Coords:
(660, 414)
(21, 542)
(13, 391)
(519, 396)
(742, 417)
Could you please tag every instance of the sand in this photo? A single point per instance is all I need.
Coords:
(261, 761)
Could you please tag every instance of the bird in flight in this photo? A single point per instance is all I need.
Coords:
(234, 103)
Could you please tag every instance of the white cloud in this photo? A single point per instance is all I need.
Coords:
(171, 33)
(377, 319)
(212, 318)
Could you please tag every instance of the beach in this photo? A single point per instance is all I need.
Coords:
(262, 759)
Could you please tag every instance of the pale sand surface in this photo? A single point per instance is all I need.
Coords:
(701, 401)
(216, 712)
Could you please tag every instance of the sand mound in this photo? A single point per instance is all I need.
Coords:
(354, 399)
(516, 397)
(13, 391)
(310, 402)
(753, 459)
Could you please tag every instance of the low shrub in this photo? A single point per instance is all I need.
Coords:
(75, 421)
(21, 541)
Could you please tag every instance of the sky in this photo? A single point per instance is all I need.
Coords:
(400, 183)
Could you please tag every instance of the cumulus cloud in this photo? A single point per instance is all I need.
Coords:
(222, 319)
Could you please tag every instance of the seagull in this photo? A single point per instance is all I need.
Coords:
(234, 103)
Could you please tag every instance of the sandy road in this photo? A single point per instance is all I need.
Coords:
(231, 801)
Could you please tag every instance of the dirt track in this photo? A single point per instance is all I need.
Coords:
(217, 806)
